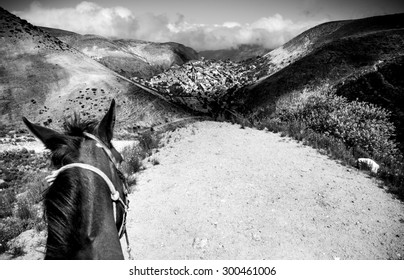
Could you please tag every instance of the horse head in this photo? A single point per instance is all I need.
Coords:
(85, 204)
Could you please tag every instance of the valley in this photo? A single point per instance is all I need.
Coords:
(228, 172)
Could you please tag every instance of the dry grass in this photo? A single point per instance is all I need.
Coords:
(136, 153)
(21, 207)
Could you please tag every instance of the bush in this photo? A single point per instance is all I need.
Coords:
(7, 199)
(134, 154)
(34, 185)
(133, 162)
(24, 210)
(357, 124)
(19, 208)
(10, 228)
(148, 141)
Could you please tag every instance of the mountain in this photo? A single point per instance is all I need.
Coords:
(360, 59)
(45, 79)
(330, 53)
(130, 58)
(240, 53)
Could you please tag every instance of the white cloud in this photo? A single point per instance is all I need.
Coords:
(91, 18)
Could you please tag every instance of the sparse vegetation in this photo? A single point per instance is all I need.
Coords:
(133, 161)
(148, 141)
(20, 202)
(342, 129)
(357, 124)
(134, 154)
(17, 251)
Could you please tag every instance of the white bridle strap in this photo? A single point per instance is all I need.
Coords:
(103, 146)
(114, 192)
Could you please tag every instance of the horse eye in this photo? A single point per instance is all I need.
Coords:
(120, 158)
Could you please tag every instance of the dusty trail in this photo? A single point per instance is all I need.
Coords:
(221, 192)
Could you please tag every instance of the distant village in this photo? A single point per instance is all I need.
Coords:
(201, 83)
(200, 76)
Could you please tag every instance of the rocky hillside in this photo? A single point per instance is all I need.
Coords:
(45, 79)
(130, 58)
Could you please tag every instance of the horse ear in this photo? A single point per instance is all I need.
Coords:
(105, 128)
(50, 138)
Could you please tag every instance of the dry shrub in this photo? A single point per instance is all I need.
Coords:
(357, 124)
(134, 154)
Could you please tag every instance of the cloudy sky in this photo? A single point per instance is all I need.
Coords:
(201, 24)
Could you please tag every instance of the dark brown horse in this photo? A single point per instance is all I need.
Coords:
(86, 203)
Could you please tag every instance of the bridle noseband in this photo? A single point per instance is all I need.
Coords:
(115, 196)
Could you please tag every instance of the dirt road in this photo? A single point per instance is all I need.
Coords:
(216, 191)
(222, 192)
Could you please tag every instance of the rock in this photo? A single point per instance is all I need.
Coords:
(31, 243)
(256, 236)
(199, 243)
(367, 163)
(3, 184)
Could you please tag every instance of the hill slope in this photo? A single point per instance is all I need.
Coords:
(45, 79)
(131, 58)
(336, 55)
(328, 53)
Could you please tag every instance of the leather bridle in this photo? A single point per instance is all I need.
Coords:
(115, 196)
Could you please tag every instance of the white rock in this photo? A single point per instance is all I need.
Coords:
(368, 163)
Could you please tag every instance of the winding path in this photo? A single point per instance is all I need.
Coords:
(222, 192)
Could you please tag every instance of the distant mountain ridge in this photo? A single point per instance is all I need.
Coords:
(236, 54)
(130, 58)
(361, 59)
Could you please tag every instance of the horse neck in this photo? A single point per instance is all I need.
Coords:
(85, 227)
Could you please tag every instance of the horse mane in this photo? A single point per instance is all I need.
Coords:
(76, 126)
(63, 215)
(67, 192)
